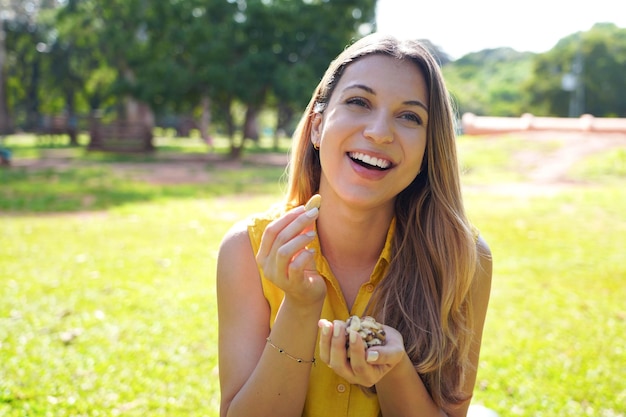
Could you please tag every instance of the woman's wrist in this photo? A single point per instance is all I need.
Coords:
(401, 391)
(404, 368)
(304, 313)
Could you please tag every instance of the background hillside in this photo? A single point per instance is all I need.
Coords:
(583, 73)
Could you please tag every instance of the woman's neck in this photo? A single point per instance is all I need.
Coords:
(353, 238)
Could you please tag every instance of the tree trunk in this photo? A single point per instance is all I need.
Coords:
(284, 115)
(72, 121)
(5, 120)
(205, 121)
(235, 148)
(33, 115)
(251, 125)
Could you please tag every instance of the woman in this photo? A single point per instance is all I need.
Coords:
(390, 240)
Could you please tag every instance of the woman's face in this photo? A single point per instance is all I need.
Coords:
(372, 134)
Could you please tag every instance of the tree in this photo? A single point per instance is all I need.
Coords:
(5, 120)
(211, 57)
(203, 56)
(31, 40)
(78, 69)
(594, 61)
(489, 82)
(604, 81)
(17, 17)
(310, 34)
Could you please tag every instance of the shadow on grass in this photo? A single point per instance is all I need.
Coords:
(99, 187)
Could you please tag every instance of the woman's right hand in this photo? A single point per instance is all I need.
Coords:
(364, 366)
(285, 260)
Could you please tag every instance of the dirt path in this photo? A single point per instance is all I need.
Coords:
(554, 167)
(547, 170)
(167, 169)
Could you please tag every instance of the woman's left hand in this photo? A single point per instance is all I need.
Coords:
(363, 366)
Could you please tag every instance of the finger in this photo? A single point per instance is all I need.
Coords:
(274, 228)
(357, 348)
(338, 355)
(326, 334)
(300, 261)
(283, 232)
(294, 248)
(301, 224)
(374, 356)
(301, 270)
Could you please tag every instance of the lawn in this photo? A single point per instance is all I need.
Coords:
(108, 308)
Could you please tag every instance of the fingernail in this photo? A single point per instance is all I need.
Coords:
(312, 213)
(326, 329)
(310, 233)
(336, 331)
(353, 336)
(372, 356)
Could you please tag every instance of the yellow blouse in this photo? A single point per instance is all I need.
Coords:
(329, 394)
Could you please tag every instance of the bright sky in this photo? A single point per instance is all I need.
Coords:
(463, 26)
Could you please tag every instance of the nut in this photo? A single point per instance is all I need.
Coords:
(313, 202)
(368, 328)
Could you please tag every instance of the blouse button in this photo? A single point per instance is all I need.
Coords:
(369, 288)
(341, 388)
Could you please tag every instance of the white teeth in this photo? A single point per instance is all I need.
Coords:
(370, 160)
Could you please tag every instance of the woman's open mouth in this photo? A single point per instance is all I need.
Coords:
(370, 162)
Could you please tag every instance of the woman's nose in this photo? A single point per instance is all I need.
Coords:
(379, 128)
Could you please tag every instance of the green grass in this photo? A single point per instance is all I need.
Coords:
(93, 183)
(99, 187)
(108, 306)
(554, 337)
(113, 312)
(500, 159)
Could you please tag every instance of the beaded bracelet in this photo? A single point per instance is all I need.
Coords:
(282, 351)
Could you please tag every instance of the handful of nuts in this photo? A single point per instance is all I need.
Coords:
(368, 328)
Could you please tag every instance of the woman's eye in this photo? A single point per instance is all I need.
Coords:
(358, 101)
(412, 117)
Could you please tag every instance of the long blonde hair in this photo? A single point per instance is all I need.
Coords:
(426, 292)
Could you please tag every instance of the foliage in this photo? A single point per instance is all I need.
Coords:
(600, 54)
(488, 82)
(229, 61)
(172, 55)
(503, 82)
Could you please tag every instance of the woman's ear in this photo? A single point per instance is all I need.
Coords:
(316, 129)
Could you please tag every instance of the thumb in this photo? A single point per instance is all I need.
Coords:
(315, 281)
(310, 268)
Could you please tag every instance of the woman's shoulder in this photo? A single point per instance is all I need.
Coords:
(249, 229)
(257, 223)
(484, 269)
(484, 259)
(236, 261)
(236, 233)
(475, 233)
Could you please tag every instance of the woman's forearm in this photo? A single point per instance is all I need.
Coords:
(279, 383)
(401, 393)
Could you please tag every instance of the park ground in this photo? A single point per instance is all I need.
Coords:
(543, 171)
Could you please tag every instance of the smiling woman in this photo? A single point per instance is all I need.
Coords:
(371, 133)
(389, 240)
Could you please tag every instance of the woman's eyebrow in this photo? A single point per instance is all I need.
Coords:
(418, 103)
(361, 87)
